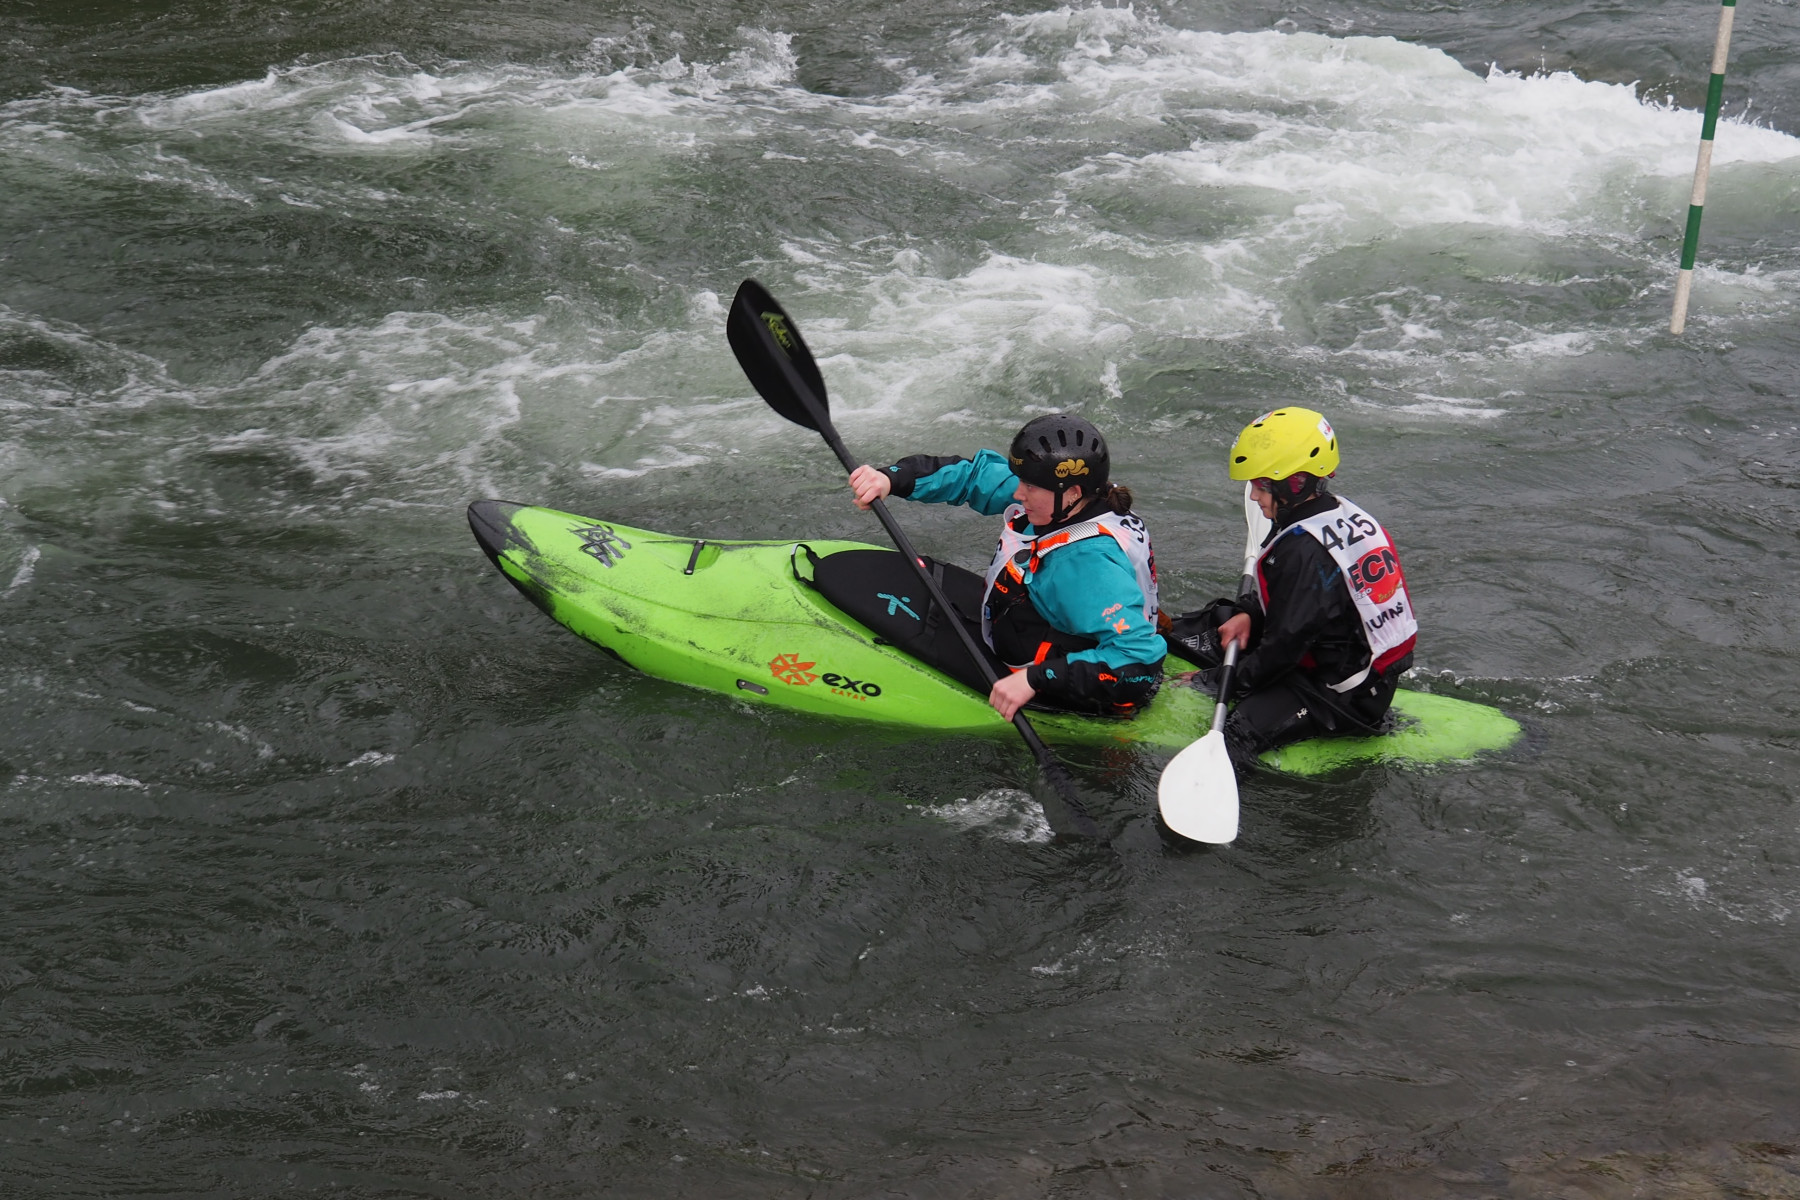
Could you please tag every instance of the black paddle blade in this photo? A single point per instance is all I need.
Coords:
(766, 341)
(1060, 797)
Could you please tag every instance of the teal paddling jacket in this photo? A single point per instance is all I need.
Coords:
(1087, 588)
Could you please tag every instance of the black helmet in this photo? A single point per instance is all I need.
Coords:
(1059, 452)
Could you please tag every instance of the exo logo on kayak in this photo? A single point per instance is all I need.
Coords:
(602, 543)
(789, 669)
(843, 685)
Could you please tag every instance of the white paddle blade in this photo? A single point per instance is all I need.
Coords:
(1198, 792)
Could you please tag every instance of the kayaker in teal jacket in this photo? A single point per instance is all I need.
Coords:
(1070, 597)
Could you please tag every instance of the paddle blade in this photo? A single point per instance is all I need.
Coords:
(1060, 798)
(768, 346)
(1198, 792)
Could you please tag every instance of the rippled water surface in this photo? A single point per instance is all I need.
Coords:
(330, 865)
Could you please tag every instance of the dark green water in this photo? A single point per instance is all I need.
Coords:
(331, 866)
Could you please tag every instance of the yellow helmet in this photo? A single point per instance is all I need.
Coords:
(1283, 443)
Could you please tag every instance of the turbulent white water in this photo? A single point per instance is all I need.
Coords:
(1118, 197)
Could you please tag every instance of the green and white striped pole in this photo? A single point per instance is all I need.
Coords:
(1715, 94)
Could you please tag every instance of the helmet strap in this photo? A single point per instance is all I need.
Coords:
(1296, 489)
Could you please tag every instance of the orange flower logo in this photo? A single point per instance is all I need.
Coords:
(789, 669)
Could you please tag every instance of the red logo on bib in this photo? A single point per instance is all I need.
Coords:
(1377, 573)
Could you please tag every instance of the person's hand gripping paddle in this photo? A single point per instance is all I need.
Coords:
(1198, 791)
(769, 349)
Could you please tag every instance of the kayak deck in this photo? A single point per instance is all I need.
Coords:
(734, 617)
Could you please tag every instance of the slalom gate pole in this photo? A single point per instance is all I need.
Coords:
(1715, 94)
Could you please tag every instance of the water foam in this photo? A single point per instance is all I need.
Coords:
(27, 568)
(1004, 813)
(1304, 149)
(1149, 190)
(1312, 146)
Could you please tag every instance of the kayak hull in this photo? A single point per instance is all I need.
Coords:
(735, 617)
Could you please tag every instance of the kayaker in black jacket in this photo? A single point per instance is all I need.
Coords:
(1329, 627)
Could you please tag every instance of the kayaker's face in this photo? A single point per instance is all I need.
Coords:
(1040, 503)
(1264, 497)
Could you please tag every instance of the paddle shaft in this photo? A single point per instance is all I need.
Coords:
(1084, 823)
(904, 545)
(1256, 532)
(1218, 721)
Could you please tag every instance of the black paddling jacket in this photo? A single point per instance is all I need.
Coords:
(1311, 623)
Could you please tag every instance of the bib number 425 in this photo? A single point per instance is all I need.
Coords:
(1347, 531)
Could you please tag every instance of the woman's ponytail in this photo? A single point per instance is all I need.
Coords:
(1117, 496)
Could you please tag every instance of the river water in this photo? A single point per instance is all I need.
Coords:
(331, 866)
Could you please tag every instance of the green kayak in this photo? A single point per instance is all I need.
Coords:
(736, 617)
